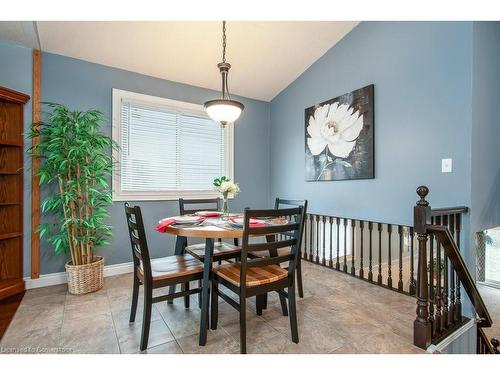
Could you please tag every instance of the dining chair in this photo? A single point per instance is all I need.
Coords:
(222, 250)
(281, 203)
(257, 276)
(156, 273)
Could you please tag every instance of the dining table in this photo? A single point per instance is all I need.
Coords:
(209, 230)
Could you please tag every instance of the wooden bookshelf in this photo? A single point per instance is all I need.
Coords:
(11, 191)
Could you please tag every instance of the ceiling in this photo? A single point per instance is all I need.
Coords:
(265, 56)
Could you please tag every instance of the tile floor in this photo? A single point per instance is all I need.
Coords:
(338, 314)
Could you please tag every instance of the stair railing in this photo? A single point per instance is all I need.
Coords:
(380, 253)
(439, 277)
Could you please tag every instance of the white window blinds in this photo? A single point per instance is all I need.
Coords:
(168, 149)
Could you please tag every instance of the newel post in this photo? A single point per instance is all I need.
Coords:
(421, 218)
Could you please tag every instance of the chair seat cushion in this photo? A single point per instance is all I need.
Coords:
(220, 249)
(174, 266)
(255, 275)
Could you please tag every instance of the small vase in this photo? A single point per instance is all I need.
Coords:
(225, 207)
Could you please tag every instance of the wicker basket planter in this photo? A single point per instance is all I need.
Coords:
(86, 278)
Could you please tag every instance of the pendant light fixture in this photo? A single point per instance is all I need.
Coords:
(224, 110)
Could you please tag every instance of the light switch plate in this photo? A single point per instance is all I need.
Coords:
(446, 165)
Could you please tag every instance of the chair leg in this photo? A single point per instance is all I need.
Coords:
(199, 294)
(299, 278)
(243, 325)
(293, 314)
(146, 318)
(186, 298)
(283, 305)
(135, 297)
(259, 303)
(214, 315)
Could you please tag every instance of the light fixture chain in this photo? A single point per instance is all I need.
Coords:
(224, 41)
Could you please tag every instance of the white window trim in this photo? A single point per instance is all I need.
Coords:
(118, 195)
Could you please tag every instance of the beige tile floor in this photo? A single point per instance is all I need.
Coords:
(338, 314)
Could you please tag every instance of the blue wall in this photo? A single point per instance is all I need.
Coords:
(16, 73)
(421, 72)
(485, 179)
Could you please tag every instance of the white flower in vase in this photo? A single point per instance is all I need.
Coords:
(225, 186)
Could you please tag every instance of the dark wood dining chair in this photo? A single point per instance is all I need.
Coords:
(156, 273)
(222, 250)
(253, 277)
(283, 203)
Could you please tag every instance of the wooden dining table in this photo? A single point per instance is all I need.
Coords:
(208, 232)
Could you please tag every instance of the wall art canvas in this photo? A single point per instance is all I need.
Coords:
(339, 137)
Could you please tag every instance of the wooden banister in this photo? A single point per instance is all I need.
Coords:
(485, 346)
(449, 210)
(453, 253)
(439, 312)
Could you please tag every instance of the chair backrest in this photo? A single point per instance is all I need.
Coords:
(279, 203)
(140, 252)
(278, 236)
(194, 205)
(283, 203)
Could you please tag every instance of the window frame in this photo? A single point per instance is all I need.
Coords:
(191, 108)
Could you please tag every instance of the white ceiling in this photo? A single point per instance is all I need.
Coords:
(265, 56)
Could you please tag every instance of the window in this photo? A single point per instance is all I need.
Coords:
(168, 149)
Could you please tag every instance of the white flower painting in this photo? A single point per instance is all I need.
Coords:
(339, 137)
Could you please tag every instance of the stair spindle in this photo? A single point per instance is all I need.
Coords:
(458, 302)
(439, 302)
(452, 315)
(361, 228)
(353, 230)
(323, 260)
(379, 277)
(412, 288)
(370, 272)
(311, 238)
(344, 267)
(337, 263)
(401, 244)
(445, 313)
(330, 262)
(432, 291)
(317, 239)
(305, 237)
(389, 258)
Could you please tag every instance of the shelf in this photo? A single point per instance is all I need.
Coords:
(11, 286)
(11, 143)
(9, 203)
(6, 236)
(11, 191)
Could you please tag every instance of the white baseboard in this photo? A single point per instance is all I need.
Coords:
(61, 278)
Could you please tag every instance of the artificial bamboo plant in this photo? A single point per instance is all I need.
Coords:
(75, 161)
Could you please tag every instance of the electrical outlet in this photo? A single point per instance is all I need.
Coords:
(446, 165)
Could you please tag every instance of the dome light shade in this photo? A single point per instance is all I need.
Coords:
(224, 111)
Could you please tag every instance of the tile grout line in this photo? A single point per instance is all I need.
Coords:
(168, 327)
(113, 320)
(62, 320)
(170, 330)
